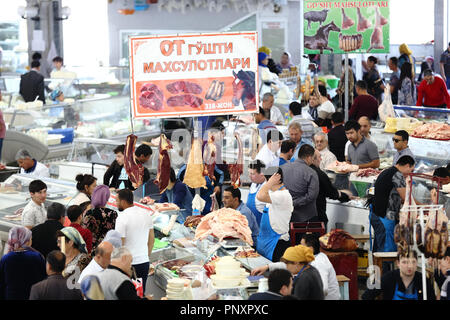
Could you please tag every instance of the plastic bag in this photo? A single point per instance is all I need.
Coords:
(139, 287)
(386, 108)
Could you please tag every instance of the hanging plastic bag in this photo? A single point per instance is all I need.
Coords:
(386, 108)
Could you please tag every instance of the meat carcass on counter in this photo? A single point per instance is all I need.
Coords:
(163, 174)
(134, 170)
(224, 223)
(237, 168)
(195, 169)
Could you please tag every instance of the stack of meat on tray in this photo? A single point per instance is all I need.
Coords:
(434, 131)
(342, 167)
(224, 223)
(369, 172)
(193, 221)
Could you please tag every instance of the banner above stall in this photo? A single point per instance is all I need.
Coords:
(344, 26)
(193, 75)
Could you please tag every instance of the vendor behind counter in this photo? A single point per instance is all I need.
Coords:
(178, 193)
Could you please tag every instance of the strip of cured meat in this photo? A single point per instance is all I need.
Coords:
(163, 175)
(209, 156)
(223, 223)
(237, 168)
(134, 170)
(151, 97)
(186, 99)
(184, 87)
(195, 171)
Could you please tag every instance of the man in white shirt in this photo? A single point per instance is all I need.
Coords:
(34, 212)
(100, 262)
(31, 166)
(276, 116)
(325, 109)
(135, 226)
(270, 152)
(321, 263)
(256, 175)
(321, 144)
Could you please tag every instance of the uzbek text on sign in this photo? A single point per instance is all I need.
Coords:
(193, 74)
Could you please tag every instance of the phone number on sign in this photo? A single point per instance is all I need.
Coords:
(220, 105)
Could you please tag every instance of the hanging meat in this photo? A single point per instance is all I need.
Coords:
(134, 170)
(256, 143)
(307, 87)
(195, 170)
(376, 41)
(209, 156)
(404, 230)
(237, 168)
(434, 243)
(163, 175)
(347, 22)
(363, 23)
(183, 87)
(151, 97)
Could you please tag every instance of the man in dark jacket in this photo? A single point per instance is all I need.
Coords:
(44, 234)
(336, 137)
(32, 84)
(116, 177)
(55, 286)
(326, 190)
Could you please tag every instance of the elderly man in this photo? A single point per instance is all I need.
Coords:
(296, 135)
(55, 286)
(400, 140)
(232, 199)
(321, 144)
(303, 184)
(432, 92)
(361, 151)
(116, 279)
(275, 115)
(100, 262)
(31, 166)
(269, 153)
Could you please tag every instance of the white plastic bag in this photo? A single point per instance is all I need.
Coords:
(386, 108)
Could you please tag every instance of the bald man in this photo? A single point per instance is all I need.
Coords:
(365, 124)
(101, 260)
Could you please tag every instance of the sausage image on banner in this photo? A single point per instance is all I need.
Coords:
(184, 87)
(350, 43)
(185, 100)
(151, 97)
(134, 170)
(215, 91)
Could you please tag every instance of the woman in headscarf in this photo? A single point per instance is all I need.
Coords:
(307, 281)
(270, 63)
(406, 56)
(21, 267)
(266, 77)
(73, 246)
(99, 220)
(285, 62)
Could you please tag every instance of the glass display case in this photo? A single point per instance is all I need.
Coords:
(423, 114)
(14, 195)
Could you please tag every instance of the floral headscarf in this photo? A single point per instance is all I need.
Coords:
(18, 237)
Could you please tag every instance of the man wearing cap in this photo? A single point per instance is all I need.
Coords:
(307, 281)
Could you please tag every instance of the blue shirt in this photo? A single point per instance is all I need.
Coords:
(299, 145)
(253, 225)
(179, 195)
(282, 161)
